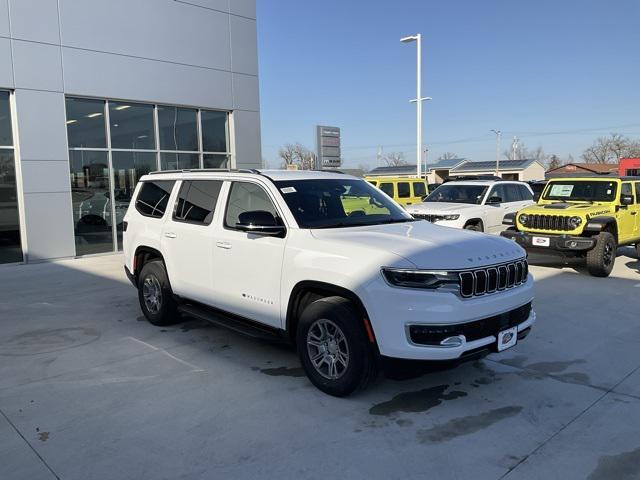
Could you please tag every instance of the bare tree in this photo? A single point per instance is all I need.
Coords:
(394, 159)
(554, 162)
(448, 156)
(297, 154)
(611, 149)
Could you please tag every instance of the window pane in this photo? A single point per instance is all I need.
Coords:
(214, 131)
(10, 248)
(128, 167)
(6, 139)
(85, 123)
(419, 190)
(525, 193)
(387, 188)
(179, 161)
(131, 126)
(153, 198)
(197, 201)
(178, 128)
(246, 197)
(215, 161)
(91, 197)
(403, 190)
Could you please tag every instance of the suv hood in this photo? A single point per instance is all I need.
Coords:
(426, 245)
(441, 207)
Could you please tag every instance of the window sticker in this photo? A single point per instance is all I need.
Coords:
(288, 190)
(561, 190)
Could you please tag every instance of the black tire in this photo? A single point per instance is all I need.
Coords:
(602, 257)
(163, 312)
(638, 250)
(361, 366)
(473, 227)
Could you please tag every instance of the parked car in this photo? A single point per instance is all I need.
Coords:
(588, 217)
(277, 253)
(478, 205)
(405, 191)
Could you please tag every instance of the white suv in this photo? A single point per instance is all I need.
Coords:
(478, 205)
(327, 262)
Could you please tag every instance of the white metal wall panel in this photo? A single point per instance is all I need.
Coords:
(246, 8)
(160, 30)
(4, 18)
(6, 67)
(247, 139)
(37, 66)
(35, 20)
(49, 226)
(245, 92)
(244, 43)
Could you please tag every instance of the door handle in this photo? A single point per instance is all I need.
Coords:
(170, 235)
(225, 245)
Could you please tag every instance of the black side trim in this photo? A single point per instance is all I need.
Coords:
(231, 321)
(132, 278)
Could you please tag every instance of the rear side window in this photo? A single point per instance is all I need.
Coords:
(153, 198)
(638, 192)
(373, 182)
(246, 197)
(404, 190)
(387, 188)
(197, 201)
(419, 190)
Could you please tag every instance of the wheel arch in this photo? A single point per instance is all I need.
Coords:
(596, 225)
(475, 221)
(143, 255)
(308, 291)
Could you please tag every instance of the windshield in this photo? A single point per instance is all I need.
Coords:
(580, 190)
(334, 203)
(451, 193)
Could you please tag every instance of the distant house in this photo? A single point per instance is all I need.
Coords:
(582, 170)
(523, 170)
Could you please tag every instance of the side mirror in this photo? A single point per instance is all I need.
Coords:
(626, 199)
(260, 222)
(494, 200)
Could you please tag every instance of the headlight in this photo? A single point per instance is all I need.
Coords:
(401, 277)
(450, 217)
(523, 219)
(575, 222)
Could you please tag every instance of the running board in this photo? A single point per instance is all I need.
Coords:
(232, 322)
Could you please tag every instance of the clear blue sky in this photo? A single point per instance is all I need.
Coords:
(529, 68)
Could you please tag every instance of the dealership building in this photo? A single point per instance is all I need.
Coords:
(95, 93)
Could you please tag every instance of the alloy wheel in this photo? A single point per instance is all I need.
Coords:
(328, 349)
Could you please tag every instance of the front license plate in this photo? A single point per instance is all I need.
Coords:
(507, 338)
(540, 241)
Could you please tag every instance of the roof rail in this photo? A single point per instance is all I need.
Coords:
(188, 170)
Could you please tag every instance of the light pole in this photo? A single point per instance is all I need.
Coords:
(419, 99)
(498, 135)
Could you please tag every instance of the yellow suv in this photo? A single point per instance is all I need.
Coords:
(589, 216)
(404, 191)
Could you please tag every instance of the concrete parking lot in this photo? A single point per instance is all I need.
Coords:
(89, 390)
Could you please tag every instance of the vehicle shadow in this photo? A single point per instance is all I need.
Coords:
(561, 261)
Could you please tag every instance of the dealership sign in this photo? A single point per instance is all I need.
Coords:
(328, 146)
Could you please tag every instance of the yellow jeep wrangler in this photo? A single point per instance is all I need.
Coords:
(589, 217)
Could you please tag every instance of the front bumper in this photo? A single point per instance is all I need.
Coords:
(561, 243)
(392, 318)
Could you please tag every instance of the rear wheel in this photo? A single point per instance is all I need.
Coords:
(638, 250)
(155, 295)
(602, 257)
(333, 347)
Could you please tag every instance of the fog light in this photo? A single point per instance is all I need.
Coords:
(453, 341)
(573, 244)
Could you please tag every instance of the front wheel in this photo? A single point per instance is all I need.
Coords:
(333, 347)
(473, 227)
(155, 295)
(602, 257)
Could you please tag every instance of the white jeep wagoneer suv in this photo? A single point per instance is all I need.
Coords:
(326, 261)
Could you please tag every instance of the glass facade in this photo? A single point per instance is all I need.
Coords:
(113, 143)
(10, 243)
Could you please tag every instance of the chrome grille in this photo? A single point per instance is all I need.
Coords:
(428, 217)
(491, 279)
(549, 222)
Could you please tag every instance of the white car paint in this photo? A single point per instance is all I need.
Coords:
(491, 215)
(254, 276)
